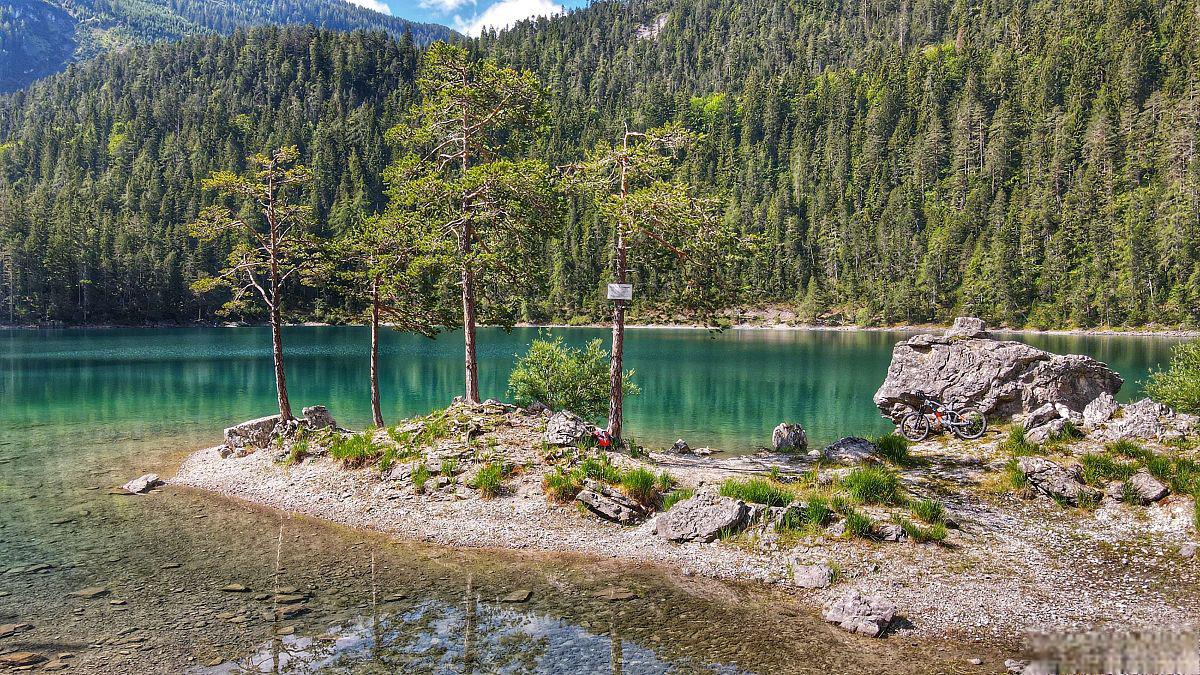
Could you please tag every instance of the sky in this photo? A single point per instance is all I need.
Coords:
(470, 16)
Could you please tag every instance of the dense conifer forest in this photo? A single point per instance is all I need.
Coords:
(40, 37)
(1034, 163)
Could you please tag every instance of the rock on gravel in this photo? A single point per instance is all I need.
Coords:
(610, 504)
(866, 615)
(1147, 488)
(702, 518)
(812, 576)
(142, 484)
(1054, 481)
(318, 417)
(251, 434)
(1100, 410)
(567, 428)
(850, 450)
(789, 438)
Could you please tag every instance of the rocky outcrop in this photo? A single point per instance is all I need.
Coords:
(789, 438)
(318, 417)
(1146, 420)
(142, 484)
(968, 327)
(1054, 481)
(999, 377)
(610, 504)
(857, 613)
(248, 436)
(1099, 411)
(567, 428)
(850, 450)
(702, 518)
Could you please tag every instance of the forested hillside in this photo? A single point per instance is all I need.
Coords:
(1030, 162)
(40, 37)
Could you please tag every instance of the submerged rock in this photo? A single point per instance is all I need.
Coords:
(702, 518)
(610, 504)
(850, 450)
(866, 615)
(1054, 481)
(142, 484)
(567, 428)
(1001, 378)
(789, 438)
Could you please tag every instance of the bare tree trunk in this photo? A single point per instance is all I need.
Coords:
(376, 412)
(616, 399)
(468, 303)
(285, 407)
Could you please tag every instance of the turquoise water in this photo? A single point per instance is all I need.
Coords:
(726, 389)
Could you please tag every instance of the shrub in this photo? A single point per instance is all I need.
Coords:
(1100, 469)
(873, 485)
(641, 486)
(565, 378)
(757, 490)
(1179, 385)
(420, 475)
(356, 450)
(928, 510)
(675, 496)
(893, 448)
(562, 486)
(858, 525)
(490, 479)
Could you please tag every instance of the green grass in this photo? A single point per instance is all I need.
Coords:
(1196, 511)
(490, 479)
(1126, 449)
(1100, 469)
(665, 482)
(600, 468)
(675, 496)
(815, 515)
(420, 475)
(840, 503)
(449, 467)
(641, 486)
(1016, 445)
(873, 485)
(296, 453)
(893, 448)
(561, 485)
(356, 450)
(921, 535)
(758, 491)
(858, 525)
(928, 510)
(1181, 474)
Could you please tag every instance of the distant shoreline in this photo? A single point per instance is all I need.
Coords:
(782, 327)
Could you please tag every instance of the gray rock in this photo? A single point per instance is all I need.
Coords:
(890, 532)
(537, 408)
(1046, 431)
(850, 450)
(1146, 487)
(866, 615)
(521, 595)
(567, 428)
(318, 417)
(610, 504)
(1187, 551)
(1115, 490)
(1001, 378)
(967, 327)
(251, 435)
(1041, 417)
(702, 518)
(1100, 410)
(812, 576)
(681, 447)
(142, 484)
(1054, 481)
(789, 437)
(1147, 420)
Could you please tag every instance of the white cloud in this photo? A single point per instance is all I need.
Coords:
(377, 5)
(445, 6)
(505, 13)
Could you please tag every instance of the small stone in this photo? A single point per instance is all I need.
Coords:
(975, 662)
(116, 602)
(867, 615)
(517, 596)
(90, 593)
(55, 665)
(235, 588)
(812, 576)
(614, 594)
(1187, 551)
(290, 611)
(10, 629)
(241, 618)
(142, 484)
(19, 659)
(214, 662)
(290, 599)
(285, 630)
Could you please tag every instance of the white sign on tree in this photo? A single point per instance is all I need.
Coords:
(620, 291)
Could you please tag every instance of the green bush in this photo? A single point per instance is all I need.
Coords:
(561, 485)
(565, 378)
(893, 448)
(757, 490)
(641, 486)
(928, 510)
(675, 496)
(490, 479)
(1179, 385)
(873, 485)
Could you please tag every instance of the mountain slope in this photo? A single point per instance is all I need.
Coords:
(39, 37)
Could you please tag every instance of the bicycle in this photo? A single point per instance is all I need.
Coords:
(965, 423)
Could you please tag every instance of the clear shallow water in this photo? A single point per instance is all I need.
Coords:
(82, 411)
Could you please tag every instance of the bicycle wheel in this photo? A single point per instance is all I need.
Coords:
(970, 424)
(914, 426)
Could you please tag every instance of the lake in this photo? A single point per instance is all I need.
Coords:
(84, 410)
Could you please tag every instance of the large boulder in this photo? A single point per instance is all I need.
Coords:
(789, 438)
(1100, 410)
(1054, 481)
(610, 504)
(850, 450)
(1001, 378)
(858, 613)
(567, 428)
(251, 435)
(318, 417)
(702, 518)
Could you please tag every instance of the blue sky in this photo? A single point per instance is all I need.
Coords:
(470, 16)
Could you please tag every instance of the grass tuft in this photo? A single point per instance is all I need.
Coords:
(929, 511)
(675, 496)
(858, 525)
(420, 476)
(893, 448)
(758, 491)
(490, 479)
(1099, 470)
(873, 485)
(562, 486)
(355, 451)
(921, 535)
(641, 486)
(1016, 445)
